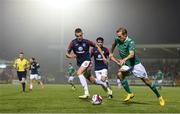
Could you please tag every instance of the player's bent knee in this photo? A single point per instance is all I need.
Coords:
(79, 73)
(23, 80)
(92, 79)
(103, 78)
(121, 75)
(146, 81)
(98, 77)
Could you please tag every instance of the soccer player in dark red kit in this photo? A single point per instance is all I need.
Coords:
(80, 48)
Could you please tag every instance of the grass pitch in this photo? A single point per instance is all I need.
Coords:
(62, 99)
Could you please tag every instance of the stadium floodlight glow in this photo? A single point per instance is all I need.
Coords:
(61, 4)
(3, 66)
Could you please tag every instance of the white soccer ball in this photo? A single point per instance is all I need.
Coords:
(96, 99)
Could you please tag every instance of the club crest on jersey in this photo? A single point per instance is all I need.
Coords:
(80, 48)
(99, 56)
(84, 45)
(125, 45)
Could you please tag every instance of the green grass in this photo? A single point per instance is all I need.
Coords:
(60, 98)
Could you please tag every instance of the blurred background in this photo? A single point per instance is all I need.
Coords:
(44, 28)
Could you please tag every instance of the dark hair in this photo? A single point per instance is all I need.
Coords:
(33, 58)
(123, 30)
(70, 63)
(100, 38)
(21, 52)
(78, 30)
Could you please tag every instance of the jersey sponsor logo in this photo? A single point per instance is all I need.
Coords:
(99, 57)
(80, 50)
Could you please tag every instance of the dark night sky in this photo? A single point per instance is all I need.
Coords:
(29, 26)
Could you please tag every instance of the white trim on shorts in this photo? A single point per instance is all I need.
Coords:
(34, 77)
(100, 73)
(71, 78)
(160, 81)
(39, 77)
(86, 64)
(138, 70)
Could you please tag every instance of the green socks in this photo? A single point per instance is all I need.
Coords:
(153, 88)
(126, 85)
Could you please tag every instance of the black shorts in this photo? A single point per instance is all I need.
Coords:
(21, 75)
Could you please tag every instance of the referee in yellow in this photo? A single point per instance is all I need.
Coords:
(21, 65)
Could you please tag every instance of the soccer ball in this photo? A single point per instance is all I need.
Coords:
(96, 99)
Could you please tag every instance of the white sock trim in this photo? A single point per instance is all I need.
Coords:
(84, 83)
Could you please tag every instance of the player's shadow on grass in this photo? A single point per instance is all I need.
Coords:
(135, 102)
(86, 100)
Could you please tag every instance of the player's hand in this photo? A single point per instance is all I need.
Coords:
(118, 62)
(122, 61)
(73, 56)
(106, 61)
(16, 68)
(110, 55)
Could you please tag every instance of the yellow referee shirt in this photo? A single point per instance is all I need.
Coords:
(21, 65)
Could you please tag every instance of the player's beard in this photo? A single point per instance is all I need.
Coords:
(79, 39)
(101, 46)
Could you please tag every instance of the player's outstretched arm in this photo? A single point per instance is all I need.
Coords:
(114, 59)
(70, 56)
(111, 57)
(15, 65)
(100, 51)
(131, 49)
(68, 52)
(27, 65)
(131, 55)
(113, 47)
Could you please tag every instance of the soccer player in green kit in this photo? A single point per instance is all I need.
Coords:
(159, 79)
(129, 62)
(71, 72)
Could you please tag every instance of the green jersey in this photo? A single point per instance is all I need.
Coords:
(124, 48)
(159, 75)
(71, 71)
